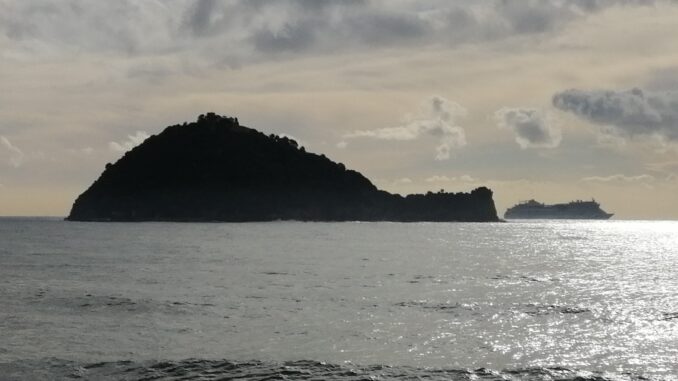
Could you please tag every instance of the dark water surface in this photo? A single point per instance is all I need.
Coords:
(535, 300)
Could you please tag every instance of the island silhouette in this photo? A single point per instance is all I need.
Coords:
(214, 169)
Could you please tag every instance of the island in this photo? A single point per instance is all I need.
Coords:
(214, 169)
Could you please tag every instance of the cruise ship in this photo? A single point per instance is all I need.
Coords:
(580, 210)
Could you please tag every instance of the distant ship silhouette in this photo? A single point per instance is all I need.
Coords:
(576, 210)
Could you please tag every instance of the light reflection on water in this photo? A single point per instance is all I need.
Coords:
(597, 295)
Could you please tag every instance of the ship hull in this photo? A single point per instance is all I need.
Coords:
(607, 216)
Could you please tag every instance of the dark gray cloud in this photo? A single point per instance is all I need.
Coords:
(290, 38)
(199, 16)
(384, 29)
(627, 113)
(255, 30)
(532, 128)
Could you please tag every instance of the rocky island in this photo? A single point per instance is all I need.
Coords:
(214, 169)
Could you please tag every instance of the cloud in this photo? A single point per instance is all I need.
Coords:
(619, 178)
(267, 28)
(48, 28)
(532, 128)
(467, 179)
(342, 144)
(233, 31)
(628, 113)
(403, 180)
(436, 117)
(10, 153)
(199, 17)
(131, 142)
(446, 179)
(439, 179)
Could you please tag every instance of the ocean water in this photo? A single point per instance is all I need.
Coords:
(539, 300)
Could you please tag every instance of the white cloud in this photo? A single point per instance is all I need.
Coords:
(447, 179)
(533, 128)
(620, 178)
(439, 179)
(342, 144)
(131, 142)
(10, 153)
(467, 179)
(404, 180)
(436, 117)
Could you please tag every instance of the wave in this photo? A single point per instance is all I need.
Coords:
(532, 309)
(202, 369)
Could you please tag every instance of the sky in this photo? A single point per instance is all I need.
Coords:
(554, 100)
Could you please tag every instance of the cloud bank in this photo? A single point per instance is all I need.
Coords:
(233, 32)
(436, 117)
(628, 113)
(532, 127)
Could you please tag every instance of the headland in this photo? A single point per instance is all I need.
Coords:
(214, 169)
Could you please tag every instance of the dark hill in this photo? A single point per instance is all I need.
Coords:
(216, 170)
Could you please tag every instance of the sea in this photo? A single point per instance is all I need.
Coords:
(521, 300)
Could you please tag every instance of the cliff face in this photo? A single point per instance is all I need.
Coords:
(216, 170)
